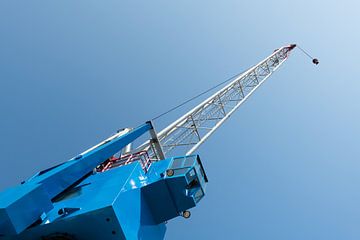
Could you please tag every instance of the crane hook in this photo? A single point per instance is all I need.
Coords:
(315, 61)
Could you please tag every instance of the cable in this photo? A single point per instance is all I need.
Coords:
(305, 52)
(314, 60)
(195, 97)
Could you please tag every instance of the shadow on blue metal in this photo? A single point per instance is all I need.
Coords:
(72, 201)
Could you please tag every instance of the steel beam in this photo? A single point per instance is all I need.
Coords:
(194, 127)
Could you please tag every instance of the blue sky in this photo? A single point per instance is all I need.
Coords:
(285, 166)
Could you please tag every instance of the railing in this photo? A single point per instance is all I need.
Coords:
(113, 162)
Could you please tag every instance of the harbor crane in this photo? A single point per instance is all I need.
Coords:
(131, 184)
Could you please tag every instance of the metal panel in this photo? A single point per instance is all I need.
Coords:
(24, 205)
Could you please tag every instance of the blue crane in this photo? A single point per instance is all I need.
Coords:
(116, 190)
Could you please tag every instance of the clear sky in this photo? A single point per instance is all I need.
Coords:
(285, 166)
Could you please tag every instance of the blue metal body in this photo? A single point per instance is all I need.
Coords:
(72, 201)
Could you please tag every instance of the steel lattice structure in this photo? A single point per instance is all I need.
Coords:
(187, 133)
(109, 183)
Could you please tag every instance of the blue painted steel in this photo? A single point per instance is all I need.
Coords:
(43, 187)
(121, 203)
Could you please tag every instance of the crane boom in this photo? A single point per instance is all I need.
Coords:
(109, 191)
(187, 133)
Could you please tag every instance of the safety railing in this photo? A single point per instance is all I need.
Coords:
(142, 157)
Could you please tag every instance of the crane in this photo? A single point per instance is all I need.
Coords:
(117, 190)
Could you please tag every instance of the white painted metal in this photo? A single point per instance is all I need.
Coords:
(116, 135)
(193, 149)
(186, 134)
(157, 149)
(127, 149)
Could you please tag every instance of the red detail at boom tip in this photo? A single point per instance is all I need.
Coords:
(292, 46)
